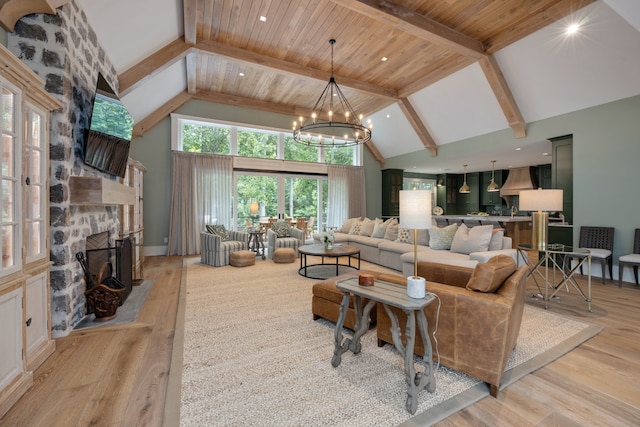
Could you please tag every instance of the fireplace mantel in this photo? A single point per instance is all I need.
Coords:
(98, 191)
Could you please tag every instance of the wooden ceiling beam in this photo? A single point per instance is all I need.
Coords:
(418, 126)
(192, 72)
(291, 68)
(504, 96)
(189, 11)
(12, 10)
(140, 128)
(417, 25)
(152, 65)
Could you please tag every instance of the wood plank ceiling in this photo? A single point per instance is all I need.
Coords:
(286, 59)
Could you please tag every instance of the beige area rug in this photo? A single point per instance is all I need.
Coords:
(253, 356)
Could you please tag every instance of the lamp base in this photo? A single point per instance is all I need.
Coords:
(416, 287)
(540, 230)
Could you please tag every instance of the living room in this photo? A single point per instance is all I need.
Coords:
(605, 151)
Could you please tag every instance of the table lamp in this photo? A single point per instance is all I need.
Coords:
(254, 207)
(415, 213)
(540, 202)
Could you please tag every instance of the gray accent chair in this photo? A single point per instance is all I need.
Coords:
(295, 241)
(216, 252)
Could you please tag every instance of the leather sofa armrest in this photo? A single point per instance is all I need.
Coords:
(442, 273)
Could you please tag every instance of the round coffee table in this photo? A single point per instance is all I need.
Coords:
(324, 270)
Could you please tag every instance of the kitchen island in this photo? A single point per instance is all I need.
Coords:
(518, 227)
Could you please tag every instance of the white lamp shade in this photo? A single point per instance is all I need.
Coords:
(415, 209)
(541, 200)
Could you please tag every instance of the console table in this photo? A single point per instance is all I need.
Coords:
(389, 294)
(549, 258)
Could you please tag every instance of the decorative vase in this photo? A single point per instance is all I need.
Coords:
(328, 245)
(416, 287)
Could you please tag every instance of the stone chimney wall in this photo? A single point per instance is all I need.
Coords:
(64, 51)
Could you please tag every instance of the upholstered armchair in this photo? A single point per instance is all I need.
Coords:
(293, 238)
(215, 250)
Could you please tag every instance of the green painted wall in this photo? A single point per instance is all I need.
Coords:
(606, 151)
(153, 150)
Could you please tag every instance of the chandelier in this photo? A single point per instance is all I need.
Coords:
(333, 121)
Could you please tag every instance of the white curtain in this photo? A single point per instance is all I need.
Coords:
(201, 194)
(346, 198)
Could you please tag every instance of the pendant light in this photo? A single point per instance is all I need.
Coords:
(493, 187)
(465, 188)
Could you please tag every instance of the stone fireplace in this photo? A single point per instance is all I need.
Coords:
(64, 51)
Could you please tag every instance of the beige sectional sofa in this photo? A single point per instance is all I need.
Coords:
(396, 250)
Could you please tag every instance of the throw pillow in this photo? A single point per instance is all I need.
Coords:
(356, 225)
(423, 237)
(281, 228)
(346, 225)
(441, 238)
(474, 239)
(495, 244)
(379, 228)
(391, 233)
(405, 235)
(220, 231)
(366, 228)
(489, 276)
(209, 228)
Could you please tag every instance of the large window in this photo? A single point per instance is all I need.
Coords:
(201, 135)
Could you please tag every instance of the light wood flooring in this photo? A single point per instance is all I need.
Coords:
(122, 375)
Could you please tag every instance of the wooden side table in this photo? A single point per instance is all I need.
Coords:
(389, 294)
(256, 243)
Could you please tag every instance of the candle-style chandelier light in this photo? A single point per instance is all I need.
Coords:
(333, 122)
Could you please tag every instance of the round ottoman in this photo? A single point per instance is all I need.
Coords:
(284, 255)
(242, 258)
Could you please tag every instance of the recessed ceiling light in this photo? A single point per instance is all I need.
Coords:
(388, 115)
(545, 154)
(572, 29)
(518, 149)
(384, 58)
(263, 18)
(241, 74)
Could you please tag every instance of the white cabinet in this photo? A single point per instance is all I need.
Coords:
(38, 338)
(11, 365)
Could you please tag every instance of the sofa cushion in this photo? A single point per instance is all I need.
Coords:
(366, 228)
(281, 228)
(441, 238)
(474, 239)
(391, 233)
(496, 239)
(489, 276)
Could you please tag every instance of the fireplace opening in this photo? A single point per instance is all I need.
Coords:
(105, 261)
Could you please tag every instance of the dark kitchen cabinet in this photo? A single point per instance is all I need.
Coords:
(391, 186)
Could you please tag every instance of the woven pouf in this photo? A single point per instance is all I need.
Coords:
(242, 258)
(284, 255)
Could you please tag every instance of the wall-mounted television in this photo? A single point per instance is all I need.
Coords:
(107, 141)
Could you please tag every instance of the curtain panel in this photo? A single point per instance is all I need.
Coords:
(201, 194)
(347, 196)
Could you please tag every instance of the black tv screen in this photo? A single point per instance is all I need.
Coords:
(108, 138)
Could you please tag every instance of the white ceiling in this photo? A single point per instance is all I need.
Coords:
(548, 73)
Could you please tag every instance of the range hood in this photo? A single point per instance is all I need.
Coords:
(518, 179)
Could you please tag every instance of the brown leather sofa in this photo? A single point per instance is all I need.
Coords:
(477, 331)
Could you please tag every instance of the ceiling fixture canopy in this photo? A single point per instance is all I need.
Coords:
(465, 188)
(493, 187)
(333, 121)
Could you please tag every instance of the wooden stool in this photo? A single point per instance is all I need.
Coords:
(284, 255)
(242, 258)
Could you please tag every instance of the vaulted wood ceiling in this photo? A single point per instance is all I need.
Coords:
(286, 60)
